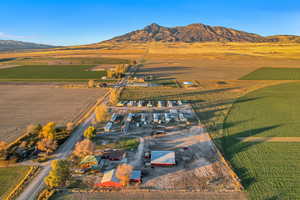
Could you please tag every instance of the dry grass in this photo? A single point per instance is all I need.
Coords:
(24, 105)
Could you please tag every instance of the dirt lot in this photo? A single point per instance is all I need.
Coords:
(31, 104)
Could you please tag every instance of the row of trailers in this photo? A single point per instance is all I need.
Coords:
(143, 119)
(150, 104)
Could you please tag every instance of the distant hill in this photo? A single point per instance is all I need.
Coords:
(284, 38)
(193, 33)
(12, 45)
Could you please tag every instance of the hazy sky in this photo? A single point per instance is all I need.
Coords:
(72, 22)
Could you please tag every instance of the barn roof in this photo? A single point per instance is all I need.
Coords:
(90, 158)
(163, 157)
(110, 176)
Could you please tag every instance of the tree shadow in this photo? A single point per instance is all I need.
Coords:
(232, 145)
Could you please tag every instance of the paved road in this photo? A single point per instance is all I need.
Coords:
(37, 184)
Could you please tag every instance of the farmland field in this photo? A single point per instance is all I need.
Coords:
(9, 177)
(268, 170)
(24, 105)
(50, 72)
(273, 74)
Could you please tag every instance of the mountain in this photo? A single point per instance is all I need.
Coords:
(12, 45)
(191, 33)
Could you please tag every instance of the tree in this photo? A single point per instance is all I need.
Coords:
(34, 129)
(59, 174)
(84, 148)
(110, 73)
(48, 131)
(90, 132)
(101, 113)
(114, 96)
(47, 145)
(70, 127)
(3, 146)
(123, 173)
(91, 83)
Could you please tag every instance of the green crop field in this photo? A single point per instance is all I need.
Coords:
(267, 73)
(50, 72)
(9, 177)
(268, 170)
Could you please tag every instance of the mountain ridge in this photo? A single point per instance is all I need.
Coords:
(197, 33)
(14, 45)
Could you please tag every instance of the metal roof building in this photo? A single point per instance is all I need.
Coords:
(163, 158)
(110, 180)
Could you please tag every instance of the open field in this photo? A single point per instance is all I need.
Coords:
(268, 170)
(24, 105)
(274, 74)
(197, 61)
(9, 177)
(50, 72)
(64, 61)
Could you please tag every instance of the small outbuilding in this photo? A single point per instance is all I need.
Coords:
(90, 161)
(163, 158)
(113, 155)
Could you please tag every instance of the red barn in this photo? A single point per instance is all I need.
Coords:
(110, 180)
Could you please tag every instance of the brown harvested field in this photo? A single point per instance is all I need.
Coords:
(22, 105)
(184, 61)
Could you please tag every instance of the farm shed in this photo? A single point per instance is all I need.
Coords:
(113, 155)
(163, 158)
(90, 162)
(110, 180)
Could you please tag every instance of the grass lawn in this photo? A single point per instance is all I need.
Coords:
(50, 72)
(267, 73)
(268, 170)
(9, 177)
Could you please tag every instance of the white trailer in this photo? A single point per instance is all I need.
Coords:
(167, 118)
(143, 117)
(159, 104)
(114, 117)
(179, 103)
(108, 126)
(140, 104)
(182, 118)
(129, 117)
(156, 117)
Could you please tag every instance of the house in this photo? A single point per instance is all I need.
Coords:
(90, 161)
(113, 155)
(163, 158)
(110, 180)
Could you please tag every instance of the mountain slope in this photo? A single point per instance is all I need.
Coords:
(190, 33)
(12, 45)
(198, 33)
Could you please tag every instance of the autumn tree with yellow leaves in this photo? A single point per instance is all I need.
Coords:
(84, 148)
(114, 96)
(123, 173)
(59, 174)
(48, 131)
(90, 132)
(101, 113)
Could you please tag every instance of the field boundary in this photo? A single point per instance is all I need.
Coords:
(19, 187)
(233, 175)
(269, 139)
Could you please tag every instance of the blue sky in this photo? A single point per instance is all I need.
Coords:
(73, 22)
